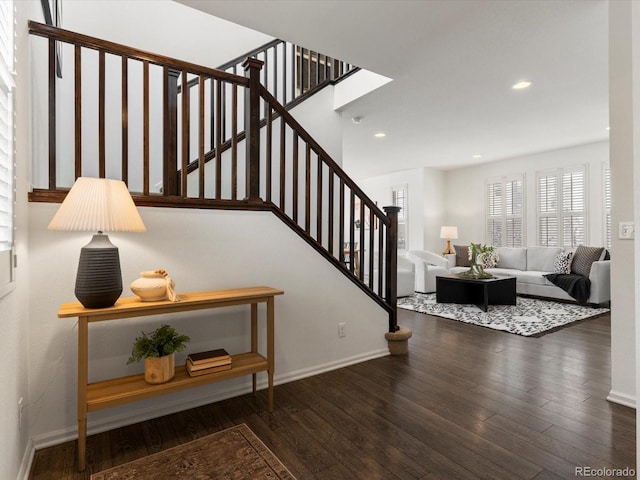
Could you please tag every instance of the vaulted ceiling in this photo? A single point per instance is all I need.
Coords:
(453, 63)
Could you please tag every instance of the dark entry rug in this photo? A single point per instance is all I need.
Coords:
(529, 317)
(232, 454)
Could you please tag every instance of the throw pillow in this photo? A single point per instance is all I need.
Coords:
(488, 259)
(462, 255)
(562, 263)
(583, 258)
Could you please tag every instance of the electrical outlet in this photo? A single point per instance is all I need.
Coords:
(625, 230)
(20, 412)
(342, 329)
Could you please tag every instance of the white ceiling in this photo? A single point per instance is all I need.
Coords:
(453, 63)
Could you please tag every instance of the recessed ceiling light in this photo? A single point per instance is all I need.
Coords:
(380, 135)
(608, 128)
(357, 119)
(477, 155)
(521, 85)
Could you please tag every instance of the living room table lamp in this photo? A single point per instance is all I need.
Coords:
(449, 233)
(98, 205)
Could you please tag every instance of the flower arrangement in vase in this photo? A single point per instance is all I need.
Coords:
(482, 256)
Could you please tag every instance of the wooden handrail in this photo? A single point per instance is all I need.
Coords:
(354, 203)
(250, 54)
(281, 111)
(286, 171)
(86, 41)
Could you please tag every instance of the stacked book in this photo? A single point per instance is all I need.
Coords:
(212, 361)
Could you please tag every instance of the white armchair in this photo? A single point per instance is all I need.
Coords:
(428, 265)
(406, 276)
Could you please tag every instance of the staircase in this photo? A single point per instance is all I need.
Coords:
(223, 141)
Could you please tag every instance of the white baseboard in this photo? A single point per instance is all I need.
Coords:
(27, 459)
(327, 367)
(140, 414)
(622, 399)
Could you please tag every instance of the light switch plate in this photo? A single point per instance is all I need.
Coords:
(626, 230)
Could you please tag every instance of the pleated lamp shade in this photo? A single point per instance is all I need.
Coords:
(99, 205)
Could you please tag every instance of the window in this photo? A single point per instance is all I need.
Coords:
(6, 146)
(561, 213)
(399, 199)
(607, 207)
(505, 208)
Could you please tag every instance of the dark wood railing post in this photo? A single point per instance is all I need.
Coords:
(391, 270)
(53, 184)
(170, 132)
(252, 67)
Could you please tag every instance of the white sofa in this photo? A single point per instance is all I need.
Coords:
(528, 265)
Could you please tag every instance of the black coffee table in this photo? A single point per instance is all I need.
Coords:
(500, 290)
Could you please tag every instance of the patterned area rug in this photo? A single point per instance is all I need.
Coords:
(529, 317)
(232, 454)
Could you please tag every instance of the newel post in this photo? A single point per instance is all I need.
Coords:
(170, 132)
(397, 337)
(391, 271)
(252, 67)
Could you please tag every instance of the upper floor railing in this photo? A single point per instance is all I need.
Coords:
(290, 73)
(120, 112)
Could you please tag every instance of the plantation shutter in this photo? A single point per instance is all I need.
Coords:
(607, 208)
(514, 199)
(494, 213)
(548, 234)
(6, 143)
(400, 199)
(561, 210)
(573, 207)
(505, 207)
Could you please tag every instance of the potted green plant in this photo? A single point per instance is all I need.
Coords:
(158, 349)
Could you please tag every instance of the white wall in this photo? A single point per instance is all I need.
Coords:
(379, 190)
(15, 447)
(465, 190)
(624, 47)
(434, 209)
(316, 115)
(201, 250)
(357, 85)
(170, 28)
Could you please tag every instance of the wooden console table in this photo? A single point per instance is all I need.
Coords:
(118, 391)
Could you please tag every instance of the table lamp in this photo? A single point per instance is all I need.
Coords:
(450, 233)
(98, 205)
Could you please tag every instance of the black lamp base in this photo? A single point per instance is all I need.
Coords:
(99, 279)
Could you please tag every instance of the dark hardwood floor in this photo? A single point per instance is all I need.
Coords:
(467, 402)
